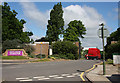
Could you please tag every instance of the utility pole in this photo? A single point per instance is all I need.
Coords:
(79, 50)
(102, 34)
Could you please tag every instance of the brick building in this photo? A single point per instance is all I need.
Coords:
(40, 48)
(43, 47)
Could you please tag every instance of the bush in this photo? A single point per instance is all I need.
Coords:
(65, 49)
(31, 56)
(53, 58)
(55, 55)
(111, 49)
(109, 61)
(40, 56)
(12, 44)
(29, 49)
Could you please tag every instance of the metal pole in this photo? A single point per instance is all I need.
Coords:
(102, 31)
(79, 50)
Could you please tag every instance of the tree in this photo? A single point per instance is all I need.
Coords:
(75, 29)
(113, 48)
(65, 49)
(55, 24)
(12, 28)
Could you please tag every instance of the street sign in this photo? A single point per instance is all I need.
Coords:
(106, 33)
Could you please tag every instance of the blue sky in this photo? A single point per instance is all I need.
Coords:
(36, 14)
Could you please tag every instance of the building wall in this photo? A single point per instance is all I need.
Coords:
(41, 48)
(6, 52)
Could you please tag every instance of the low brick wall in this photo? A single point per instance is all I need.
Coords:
(23, 52)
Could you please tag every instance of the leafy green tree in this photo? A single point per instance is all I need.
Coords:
(55, 24)
(114, 36)
(75, 29)
(113, 48)
(12, 28)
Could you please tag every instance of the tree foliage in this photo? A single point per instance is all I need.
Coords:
(12, 44)
(113, 48)
(75, 29)
(12, 28)
(43, 39)
(65, 49)
(55, 24)
(114, 36)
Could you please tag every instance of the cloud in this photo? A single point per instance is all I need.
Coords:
(90, 18)
(34, 37)
(34, 14)
(88, 15)
(116, 9)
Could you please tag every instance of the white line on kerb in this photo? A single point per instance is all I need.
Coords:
(44, 79)
(71, 76)
(58, 77)
(53, 76)
(65, 74)
(26, 80)
(39, 77)
(22, 78)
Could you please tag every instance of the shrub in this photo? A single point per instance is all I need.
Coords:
(65, 49)
(31, 56)
(70, 56)
(12, 44)
(29, 49)
(109, 61)
(53, 58)
(55, 55)
(40, 56)
(111, 49)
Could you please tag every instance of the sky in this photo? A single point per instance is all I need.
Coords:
(37, 14)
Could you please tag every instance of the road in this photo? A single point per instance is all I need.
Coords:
(47, 71)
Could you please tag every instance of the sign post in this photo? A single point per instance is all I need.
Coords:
(103, 33)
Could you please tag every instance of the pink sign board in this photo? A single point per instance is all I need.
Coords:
(15, 53)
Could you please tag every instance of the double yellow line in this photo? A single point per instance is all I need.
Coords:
(81, 75)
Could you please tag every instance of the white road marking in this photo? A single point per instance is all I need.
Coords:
(39, 77)
(44, 79)
(22, 78)
(65, 74)
(71, 76)
(75, 73)
(26, 80)
(53, 76)
(58, 77)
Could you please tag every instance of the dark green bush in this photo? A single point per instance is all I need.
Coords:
(40, 56)
(29, 49)
(55, 55)
(111, 49)
(31, 56)
(65, 49)
(12, 44)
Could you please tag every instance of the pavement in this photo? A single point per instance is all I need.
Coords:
(112, 74)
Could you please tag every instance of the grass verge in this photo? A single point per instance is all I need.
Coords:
(40, 60)
(12, 57)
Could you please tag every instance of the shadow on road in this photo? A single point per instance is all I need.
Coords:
(79, 71)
